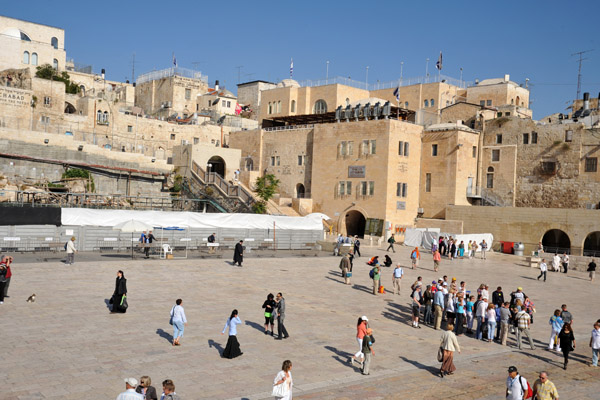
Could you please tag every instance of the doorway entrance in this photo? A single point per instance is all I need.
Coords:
(556, 241)
(300, 191)
(355, 223)
(217, 165)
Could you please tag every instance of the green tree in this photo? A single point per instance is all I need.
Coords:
(266, 186)
(83, 174)
(46, 71)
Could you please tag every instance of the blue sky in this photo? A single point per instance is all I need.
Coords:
(526, 39)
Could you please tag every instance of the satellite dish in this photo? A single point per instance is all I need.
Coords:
(215, 101)
(220, 120)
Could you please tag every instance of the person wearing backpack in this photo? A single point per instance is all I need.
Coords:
(375, 274)
(391, 241)
(517, 387)
(415, 256)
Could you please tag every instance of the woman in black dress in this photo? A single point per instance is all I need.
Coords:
(118, 299)
(232, 349)
(567, 342)
(269, 306)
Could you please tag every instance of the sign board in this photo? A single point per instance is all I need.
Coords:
(357, 171)
(249, 240)
(185, 239)
(212, 244)
(400, 205)
(69, 232)
(15, 97)
(12, 239)
(49, 239)
(268, 240)
(374, 227)
(110, 239)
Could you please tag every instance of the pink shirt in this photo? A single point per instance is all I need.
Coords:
(361, 330)
(436, 256)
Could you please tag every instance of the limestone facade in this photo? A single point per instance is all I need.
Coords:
(26, 44)
(249, 93)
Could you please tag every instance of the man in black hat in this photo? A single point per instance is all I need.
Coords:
(238, 253)
(516, 385)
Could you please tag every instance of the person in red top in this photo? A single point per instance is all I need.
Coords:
(361, 331)
(6, 261)
(415, 256)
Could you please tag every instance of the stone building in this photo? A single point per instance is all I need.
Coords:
(25, 44)
(249, 94)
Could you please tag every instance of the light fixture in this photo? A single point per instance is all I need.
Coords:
(154, 159)
(46, 141)
(80, 148)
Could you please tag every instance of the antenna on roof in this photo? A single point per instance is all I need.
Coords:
(581, 59)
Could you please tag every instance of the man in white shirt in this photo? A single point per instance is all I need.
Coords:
(480, 314)
(556, 263)
(595, 344)
(543, 269)
(565, 262)
(397, 278)
(516, 385)
(485, 293)
(129, 393)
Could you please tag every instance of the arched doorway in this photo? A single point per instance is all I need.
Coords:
(591, 245)
(518, 101)
(69, 108)
(300, 191)
(217, 164)
(556, 241)
(355, 223)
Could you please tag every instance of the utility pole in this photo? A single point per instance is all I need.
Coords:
(239, 68)
(367, 79)
(133, 68)
(581, 59)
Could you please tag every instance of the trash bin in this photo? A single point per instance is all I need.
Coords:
(519, 248)
(507, 247)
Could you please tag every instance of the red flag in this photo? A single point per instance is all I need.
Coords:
(238, 109)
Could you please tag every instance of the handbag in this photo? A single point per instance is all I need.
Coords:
(440, 354)
(280, 390)
(171, 319)
(348, 274)
(268, 315)
(124, 304)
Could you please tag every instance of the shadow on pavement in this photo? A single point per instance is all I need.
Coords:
(398, 312)
(433, 370)
(255, 325)
(342, 357)
(165, 335)
(212, 343)
(363, 288)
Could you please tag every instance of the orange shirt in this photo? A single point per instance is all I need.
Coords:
(361, 330)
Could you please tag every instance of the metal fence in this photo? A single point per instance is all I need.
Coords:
(169, 72)
(385, 85)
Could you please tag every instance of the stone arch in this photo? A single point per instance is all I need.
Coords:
(320, 107)
(249, 164)
(54, 42)
(518, 101)
(69, 108)
(591, 244)
(217, 165)
(300, 191)
(355, 223)
(556, 241)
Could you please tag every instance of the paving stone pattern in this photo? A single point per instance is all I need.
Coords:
(66, 345)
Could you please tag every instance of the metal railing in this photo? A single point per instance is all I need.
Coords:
(485, 195)
(169, 72)
(385, 85)
(225, 187)
(288, 127)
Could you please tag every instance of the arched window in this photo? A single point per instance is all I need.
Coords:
(279, 106)
(99, 116)
(270, 108)
(293, 108)
(490, 178)
(320, 107)
(432, 102)
(34, 59)
(54, 42)
(82, 88)
(426, 103)
(26, 57)
(55, 64)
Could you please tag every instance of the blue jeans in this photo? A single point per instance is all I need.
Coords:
(491, 329)
(479, 334)
(595, 354)
(428, 314)
(178, 329)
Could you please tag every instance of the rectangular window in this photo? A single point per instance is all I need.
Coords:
(474, 151)
(591, 164)
(373, 147)
(428, 182)
(495, 155)
(348, 187)
(499, 114)
(129, 128)
(398, 189)
(499, 138)
(482, 103)
(47, 101)
(223, 103)
(371, 188)
(272, 161)
(342, 188)
(350, 148)
(209, 103)
(490, 181)
(196, 140)
(363, 188)
(400, 148)
(406, 149)
(228, 104)
(434, 150)
(172, 136)
(188, 94)
(569, 136)
(45, 120)
(548, 167)
(277, 160)
(343, 148)
(488, 103)
(526, 138)
(404, 189)
(365, 147)
(533, 137)
(507, 114)
(300, 160)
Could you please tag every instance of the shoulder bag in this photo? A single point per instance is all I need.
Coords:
(440, 354)
(280, 390)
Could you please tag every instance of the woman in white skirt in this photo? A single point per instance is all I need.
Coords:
(284, 377)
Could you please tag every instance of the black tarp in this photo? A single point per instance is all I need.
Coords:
(27, 215)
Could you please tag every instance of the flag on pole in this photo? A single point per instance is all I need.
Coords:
(438, 65)
(397, 93)
(291, 68)
(174, 60)
(238, 109)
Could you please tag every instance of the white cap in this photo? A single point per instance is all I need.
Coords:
(131, 382)
(364, 318)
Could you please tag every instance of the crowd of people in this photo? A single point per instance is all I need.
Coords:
(143, 390)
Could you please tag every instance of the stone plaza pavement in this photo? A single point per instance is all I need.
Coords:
(66, 345)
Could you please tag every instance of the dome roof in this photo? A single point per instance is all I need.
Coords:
(288, 83)
(16, 34)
